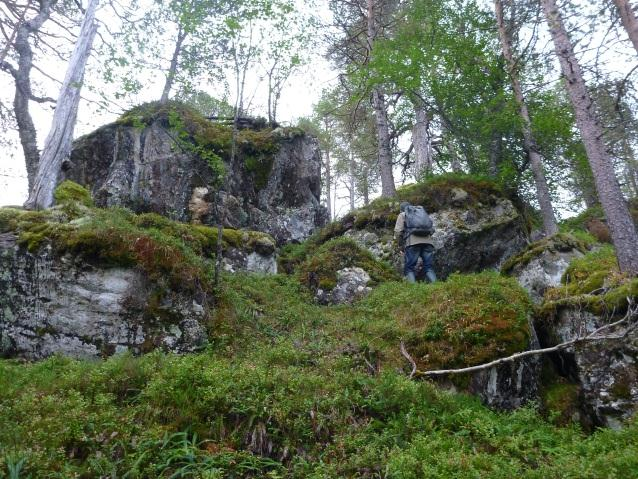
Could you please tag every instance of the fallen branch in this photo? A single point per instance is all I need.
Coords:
(632, 313)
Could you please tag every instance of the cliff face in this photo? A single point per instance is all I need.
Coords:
(271, 185)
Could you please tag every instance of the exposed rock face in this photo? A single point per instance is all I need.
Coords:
(352, 284)
(510, 385)
(544, 271)
(145, 170)
(54, 305)
(466, 239)
(606, 371)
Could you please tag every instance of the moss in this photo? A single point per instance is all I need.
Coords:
(69, 191)
(592, 282)
(560, 401)
(9, 219)
(467, 320)
(209, 140)
(319, 270)
(561, 242)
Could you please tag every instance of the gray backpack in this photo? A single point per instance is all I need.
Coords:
(417, 222)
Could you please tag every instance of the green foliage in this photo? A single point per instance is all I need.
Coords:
(68, 191)
(467, 320)
(168, 251)
(560, 242)
(319, 270)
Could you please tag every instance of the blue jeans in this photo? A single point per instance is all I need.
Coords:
(412, 255)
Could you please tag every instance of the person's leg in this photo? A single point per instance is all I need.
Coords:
(428, 259)
(410, 258)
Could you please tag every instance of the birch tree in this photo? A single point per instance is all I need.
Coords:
(57, 145)
(621, 225)
(536, 163)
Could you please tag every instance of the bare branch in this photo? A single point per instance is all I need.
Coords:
(596, 335)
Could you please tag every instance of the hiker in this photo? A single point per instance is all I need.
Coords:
(414, 230)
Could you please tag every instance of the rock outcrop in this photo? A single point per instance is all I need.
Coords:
(473, 231)
(542, 265)
(155, 164)
(606, 372)
(55, 305)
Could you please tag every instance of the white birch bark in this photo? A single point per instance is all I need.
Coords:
(621, 225)
(536, 162)
(57, 145)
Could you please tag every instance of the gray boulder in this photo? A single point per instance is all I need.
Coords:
(55, 305)
(542, 265)
(606, 371)
(143, 168)
(467, 238)
(352, 284)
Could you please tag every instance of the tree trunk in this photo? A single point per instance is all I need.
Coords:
(422, 141)
(172, 70)
(57, 146)
(629, 20)
(18, 24)
(536, 163)
(23, 94)
(328, 185)
(352, 181)
(621, 225)
(495, 153)
(381, 116)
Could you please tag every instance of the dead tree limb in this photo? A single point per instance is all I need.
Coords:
(596, 335)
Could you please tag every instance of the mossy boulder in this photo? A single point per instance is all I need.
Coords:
(320, 270)
(478, 226)
(593, 294)
(171, 160)
(543, 263)
(464, 321)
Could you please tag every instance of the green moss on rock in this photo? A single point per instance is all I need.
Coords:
(560, 401)
(592, 282)
(319, 270)
(464, 321)
(177, 254)
(69, 191)
(209, 140)
(561, 242)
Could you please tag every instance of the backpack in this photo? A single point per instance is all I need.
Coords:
(417, 222)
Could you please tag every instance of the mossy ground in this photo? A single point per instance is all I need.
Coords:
(288, 388)
(286, 391)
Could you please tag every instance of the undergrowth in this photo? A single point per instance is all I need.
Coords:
(285, 391)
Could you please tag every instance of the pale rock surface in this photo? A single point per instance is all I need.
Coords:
(54, 305)
(352, 284)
